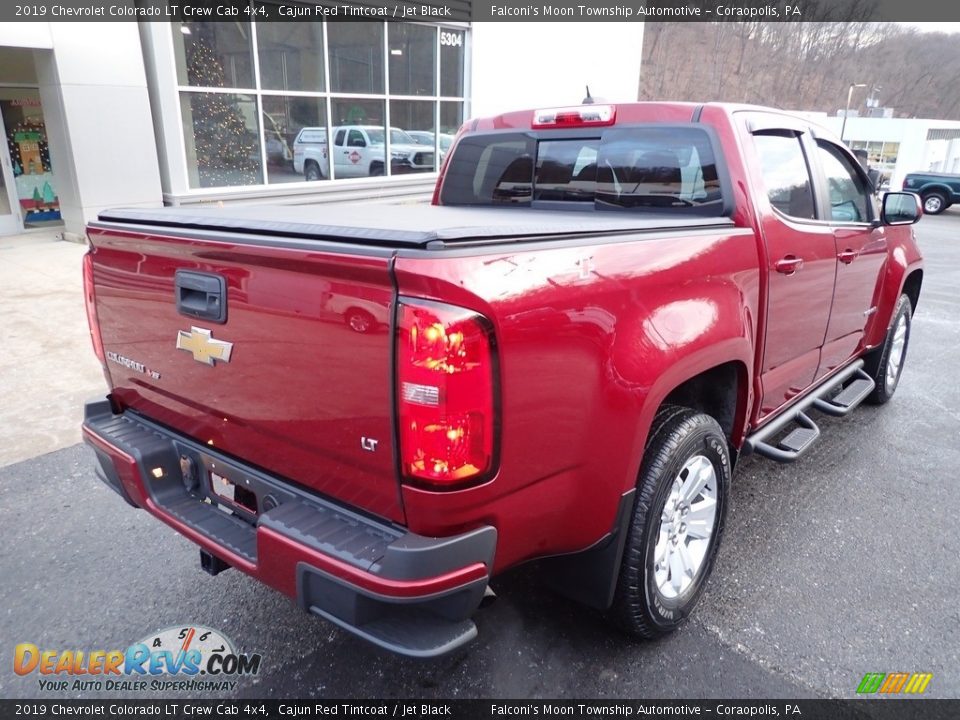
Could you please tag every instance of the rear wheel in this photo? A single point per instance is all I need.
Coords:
(885, 364)
(311, 171)
(376, 169)
(360, 320)
(934, 203)
(677, 523)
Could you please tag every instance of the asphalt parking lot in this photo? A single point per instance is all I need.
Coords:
(842, 564)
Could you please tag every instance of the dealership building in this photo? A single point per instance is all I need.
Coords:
(108, 114)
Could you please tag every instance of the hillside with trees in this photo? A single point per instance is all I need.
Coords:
(803, 66)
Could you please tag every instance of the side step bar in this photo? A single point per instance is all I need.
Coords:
(801, 438)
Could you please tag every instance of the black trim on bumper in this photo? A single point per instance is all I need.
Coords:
(384, 554)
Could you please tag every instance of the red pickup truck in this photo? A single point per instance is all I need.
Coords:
(561, 359)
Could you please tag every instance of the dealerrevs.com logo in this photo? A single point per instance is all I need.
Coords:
(894, 683)
(186, 658)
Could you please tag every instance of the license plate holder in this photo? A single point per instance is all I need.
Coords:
(223, 487)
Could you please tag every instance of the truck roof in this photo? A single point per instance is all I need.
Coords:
(644, 111)
(399, 225)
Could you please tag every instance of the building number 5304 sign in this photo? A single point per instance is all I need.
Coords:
(451, 39)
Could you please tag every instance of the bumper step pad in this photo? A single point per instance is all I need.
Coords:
(405, 592)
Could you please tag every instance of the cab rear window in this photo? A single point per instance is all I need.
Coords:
(650, 168)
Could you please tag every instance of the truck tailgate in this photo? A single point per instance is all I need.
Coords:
(305, 389)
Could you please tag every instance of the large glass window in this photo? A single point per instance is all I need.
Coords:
(270, 121)
(785, 174)
(222, 139)
(451, 62)
(416, 117)
(356, 57)
(357, 111)
(413, 52)
(283, 119)
(451, 117)
(214, 54)
(291, 56)
(359, 149)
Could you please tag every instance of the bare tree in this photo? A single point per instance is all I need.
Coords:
(804, 65)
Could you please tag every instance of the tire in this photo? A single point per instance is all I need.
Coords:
(376, 169)
(360, 321)
(934, 203)
(311, 171)
(651, 599)
(885, 364)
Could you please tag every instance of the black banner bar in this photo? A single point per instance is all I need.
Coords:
(482, 10)
(891, 709)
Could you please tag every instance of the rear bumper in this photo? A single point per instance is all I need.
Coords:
(408, 593)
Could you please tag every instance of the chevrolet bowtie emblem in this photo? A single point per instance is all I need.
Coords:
(204, 348)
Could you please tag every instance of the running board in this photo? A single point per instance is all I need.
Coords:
(848, 398)
(799, 440)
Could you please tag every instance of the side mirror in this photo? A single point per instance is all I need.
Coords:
(901, 208)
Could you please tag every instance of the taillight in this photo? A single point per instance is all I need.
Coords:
(575, 116)
(446, 389)
(89, 300)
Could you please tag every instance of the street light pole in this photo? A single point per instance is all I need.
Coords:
(846, 112)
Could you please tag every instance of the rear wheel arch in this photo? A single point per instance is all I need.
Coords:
(720, 392)
(911, 287)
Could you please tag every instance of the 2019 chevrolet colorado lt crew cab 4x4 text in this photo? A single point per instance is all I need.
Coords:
(602, 309)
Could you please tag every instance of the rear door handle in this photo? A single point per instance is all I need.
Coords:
(788, 265)
(847, 256)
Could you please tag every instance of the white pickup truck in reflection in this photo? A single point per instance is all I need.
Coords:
(358, 151)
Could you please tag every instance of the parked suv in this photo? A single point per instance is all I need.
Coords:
(938, 190)
(358, 151)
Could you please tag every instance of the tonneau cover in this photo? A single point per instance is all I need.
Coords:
(403, 225)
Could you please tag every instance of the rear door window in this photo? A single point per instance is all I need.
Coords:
(849, 196)
(783, 168)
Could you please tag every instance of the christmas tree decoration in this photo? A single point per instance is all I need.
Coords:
(227, 152)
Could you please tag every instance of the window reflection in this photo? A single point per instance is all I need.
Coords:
(412, 53)
(288, 150)
(291, 56)
(417, 118)
(270, 124)
(213, 54)
(222, 139)
(784, 172)
(356, 57)
(451, 62)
